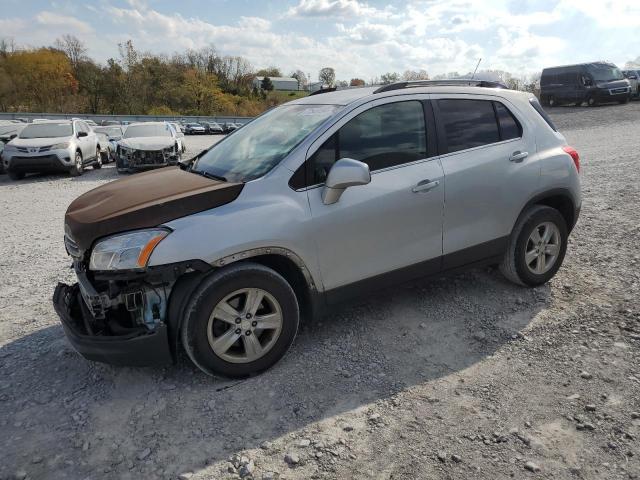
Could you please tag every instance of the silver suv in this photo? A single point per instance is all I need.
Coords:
(52, 146)
(314, 201)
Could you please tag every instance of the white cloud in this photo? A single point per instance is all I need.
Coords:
(71, 24)
(344, 9)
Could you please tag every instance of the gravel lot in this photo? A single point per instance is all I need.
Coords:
(459, 377)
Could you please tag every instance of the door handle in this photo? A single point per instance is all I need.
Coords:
(425, 185)
(518, 156)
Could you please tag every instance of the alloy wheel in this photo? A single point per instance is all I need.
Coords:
(244, 325)
(543, 248)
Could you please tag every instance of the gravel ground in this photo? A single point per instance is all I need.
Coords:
(465, 376)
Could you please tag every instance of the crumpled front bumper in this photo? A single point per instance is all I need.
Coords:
(134, 349)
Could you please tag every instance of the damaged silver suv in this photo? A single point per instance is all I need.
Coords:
(314, 201)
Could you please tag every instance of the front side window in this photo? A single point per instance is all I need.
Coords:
(468, 123)
(383, 136)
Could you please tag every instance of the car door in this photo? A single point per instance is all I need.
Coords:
(84, 141)
(394, 223)
(489, 162)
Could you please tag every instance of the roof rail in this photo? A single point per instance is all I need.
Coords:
(454, 82)
(323, 90)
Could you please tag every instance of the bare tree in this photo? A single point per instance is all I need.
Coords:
(389, 77)
(301, 78)
(409, 75)
(72, 48)
(327, 76)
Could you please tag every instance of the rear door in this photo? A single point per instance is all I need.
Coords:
(489, 164)
(393, 224)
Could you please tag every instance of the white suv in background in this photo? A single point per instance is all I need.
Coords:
(52, 146)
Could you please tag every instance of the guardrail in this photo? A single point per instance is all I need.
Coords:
(122, 118)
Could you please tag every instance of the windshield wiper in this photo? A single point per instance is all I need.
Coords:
(209, 175)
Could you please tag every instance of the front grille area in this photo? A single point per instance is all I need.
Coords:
(34, 149)
(618, 91)
(148, 157)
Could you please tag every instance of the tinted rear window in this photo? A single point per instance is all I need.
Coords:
(509, 126)
(468, 123)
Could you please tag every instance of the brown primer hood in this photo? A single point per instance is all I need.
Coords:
(144, 200)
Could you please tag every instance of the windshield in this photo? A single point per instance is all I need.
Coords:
(260, 145)
(47, 130)
(135, 131)
(605, 73)
(109, 131)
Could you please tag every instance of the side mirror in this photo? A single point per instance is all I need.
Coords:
(345, 173)
(82, 134)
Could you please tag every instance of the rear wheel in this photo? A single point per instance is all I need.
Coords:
(240, 321)
(78, 166)
(536, 248)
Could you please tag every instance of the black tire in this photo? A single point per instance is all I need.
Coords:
(78, 166)
(551, 101)
(16, 175)
(514, 266)
(98, 163)
(592, 101)
(623, 100)
(215, 288)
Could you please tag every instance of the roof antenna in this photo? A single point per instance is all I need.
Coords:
(477, 65)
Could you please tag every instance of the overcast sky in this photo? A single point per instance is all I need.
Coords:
(358, 38)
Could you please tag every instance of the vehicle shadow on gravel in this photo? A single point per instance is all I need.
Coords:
(110, 422)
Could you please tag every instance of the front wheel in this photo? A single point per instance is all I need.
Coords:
(98, 164)
(240, 321)
(624, 100)
(591, 101)
(536, 248)
(78, 166)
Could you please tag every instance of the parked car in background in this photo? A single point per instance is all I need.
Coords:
(113, 134)
(148, 145)
(91, 123)
(322, 198)
(229, 127)
(179, 136)
(593, 83)
(52, 146)
(8, 131)
(110, 122)
(194, 129)
(212, 128)
(633, 76)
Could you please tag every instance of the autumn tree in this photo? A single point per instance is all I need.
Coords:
(356, 82)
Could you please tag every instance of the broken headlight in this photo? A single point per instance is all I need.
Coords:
(127, 251)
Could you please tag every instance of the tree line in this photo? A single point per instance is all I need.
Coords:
(63, 78)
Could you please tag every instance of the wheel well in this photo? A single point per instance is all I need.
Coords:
(563, 204)
(292, 274)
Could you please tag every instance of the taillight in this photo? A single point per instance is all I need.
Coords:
(574, 155)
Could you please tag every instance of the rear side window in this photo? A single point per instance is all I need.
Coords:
(538, 108)
(468, 123)
(509, 127)
(383, 136)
